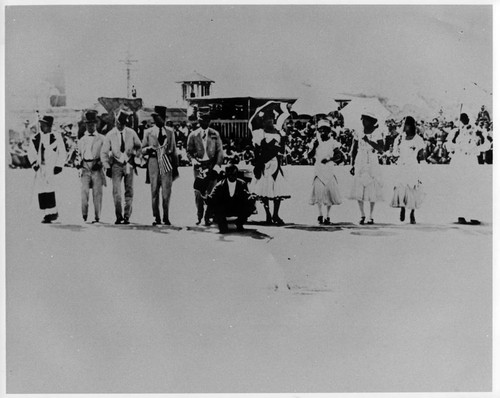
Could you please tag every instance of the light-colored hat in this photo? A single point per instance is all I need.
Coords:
(323, 123)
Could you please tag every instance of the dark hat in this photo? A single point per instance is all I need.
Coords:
(369, 115)
(91, 117)
(47, 119)
(267, 114)
(160, 111)
(204, 116)
(409, 120)
(122, 117)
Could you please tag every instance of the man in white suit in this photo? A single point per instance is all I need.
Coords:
(117, 157)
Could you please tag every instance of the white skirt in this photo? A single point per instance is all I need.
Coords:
(409, 197)
(269, 187)
(367, 185)
(325, 188)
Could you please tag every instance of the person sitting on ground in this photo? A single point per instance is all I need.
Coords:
(18, 156)
(230, 198)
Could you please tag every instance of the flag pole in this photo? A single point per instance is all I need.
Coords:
(38, 158)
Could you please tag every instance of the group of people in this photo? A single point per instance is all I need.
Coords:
(219, 193)
(368, 182)
(438, 135)
(114, 155)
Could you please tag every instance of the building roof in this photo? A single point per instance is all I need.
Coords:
(236, 98)
(195, 77)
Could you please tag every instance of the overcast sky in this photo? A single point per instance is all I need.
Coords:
(402, 52)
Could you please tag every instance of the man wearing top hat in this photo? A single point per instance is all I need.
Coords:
(204, 149)
(90, 165)
(117, 155)
(158, 143)
(47, 154)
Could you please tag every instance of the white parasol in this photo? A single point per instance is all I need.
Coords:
(357, 106)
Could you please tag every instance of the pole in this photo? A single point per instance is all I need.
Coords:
(128, 63)
(38, 160)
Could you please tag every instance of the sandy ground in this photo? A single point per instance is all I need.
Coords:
(140, 309)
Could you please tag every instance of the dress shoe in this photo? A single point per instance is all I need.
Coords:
(327, 221)
(126, 221)
(278, 221)
(166, 221)
(157, 221)
(223, 230)
(320, 220)
(119, 221)
(239, 227)
(95, 221)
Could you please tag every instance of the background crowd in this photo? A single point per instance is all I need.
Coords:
(301, 135)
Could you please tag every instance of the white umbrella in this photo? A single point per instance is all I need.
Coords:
(279, 110)
(353, 110)
(415, 105)
(313, 103)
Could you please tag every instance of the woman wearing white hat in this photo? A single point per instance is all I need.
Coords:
(325, 191)
(408, 192)
(367, 184)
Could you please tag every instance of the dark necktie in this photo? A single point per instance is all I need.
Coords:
(122, 146)
(42, 153)
(161, 137)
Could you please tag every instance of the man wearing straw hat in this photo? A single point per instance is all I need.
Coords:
(47, 154)
(118, 151)
(90, 165)
(158, 146)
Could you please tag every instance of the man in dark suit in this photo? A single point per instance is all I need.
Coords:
(204, 149)
(230, 198)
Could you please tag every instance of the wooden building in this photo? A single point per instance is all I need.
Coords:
(230, 115)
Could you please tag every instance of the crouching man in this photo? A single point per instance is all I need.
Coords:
(230, 198)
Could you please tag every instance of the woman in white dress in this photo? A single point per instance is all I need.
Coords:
(325, 190)
(465, 166)
(408, 192)
(465, 144)
(269, 182)
(367, 185)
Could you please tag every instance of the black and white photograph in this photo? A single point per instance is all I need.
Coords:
(249, 199)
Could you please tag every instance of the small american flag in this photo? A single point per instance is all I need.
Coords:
(164, 161)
